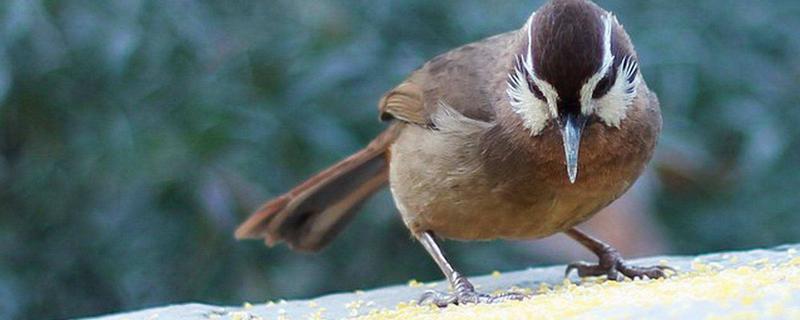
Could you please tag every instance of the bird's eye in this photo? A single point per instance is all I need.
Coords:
(532, 86)
(603, 86)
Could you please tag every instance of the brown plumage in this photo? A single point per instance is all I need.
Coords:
(476, 151)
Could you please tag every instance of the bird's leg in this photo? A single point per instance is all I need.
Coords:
(610, 262)
(463, 291)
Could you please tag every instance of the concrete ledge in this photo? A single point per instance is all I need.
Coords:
(758, 283)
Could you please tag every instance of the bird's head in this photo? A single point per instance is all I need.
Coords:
(575, 65)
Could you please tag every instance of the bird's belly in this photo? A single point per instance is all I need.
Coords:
(440, 186)
(475, 213)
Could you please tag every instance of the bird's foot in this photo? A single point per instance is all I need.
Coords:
(612, 265)
(464, 293)
(444, 299)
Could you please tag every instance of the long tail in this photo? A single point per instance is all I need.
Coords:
(309, 216)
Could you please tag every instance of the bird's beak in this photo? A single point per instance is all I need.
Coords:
(571, 126)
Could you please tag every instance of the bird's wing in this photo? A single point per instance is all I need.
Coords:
(469, 79)
(425, 94)
(405, 103)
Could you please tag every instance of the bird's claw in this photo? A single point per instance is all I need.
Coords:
(615, 268)
(444, 299)
(465, 293)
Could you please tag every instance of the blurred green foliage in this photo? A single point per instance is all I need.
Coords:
(135, 135)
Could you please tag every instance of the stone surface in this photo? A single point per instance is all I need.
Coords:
(344, 305)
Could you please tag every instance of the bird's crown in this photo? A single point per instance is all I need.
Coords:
(574, 58)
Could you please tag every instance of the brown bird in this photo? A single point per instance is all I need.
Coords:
(478, 140)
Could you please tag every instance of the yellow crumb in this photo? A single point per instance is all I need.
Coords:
(319, 314)
(354, 304)
(543, 288)
(495, 274)
(312, 304)
(699, 266)
(414, 283)
(241, 315)
(247, 305)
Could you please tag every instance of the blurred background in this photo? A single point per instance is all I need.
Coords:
(135, 135)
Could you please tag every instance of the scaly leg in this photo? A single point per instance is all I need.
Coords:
(464, 291)
(610, 261)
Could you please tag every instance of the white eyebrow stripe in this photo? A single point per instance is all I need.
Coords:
(608, 60)
(528, 26)
(548, 91)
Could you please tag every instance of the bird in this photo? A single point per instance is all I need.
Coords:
(517, 136)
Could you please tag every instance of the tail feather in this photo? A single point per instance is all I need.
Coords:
(309, 216)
